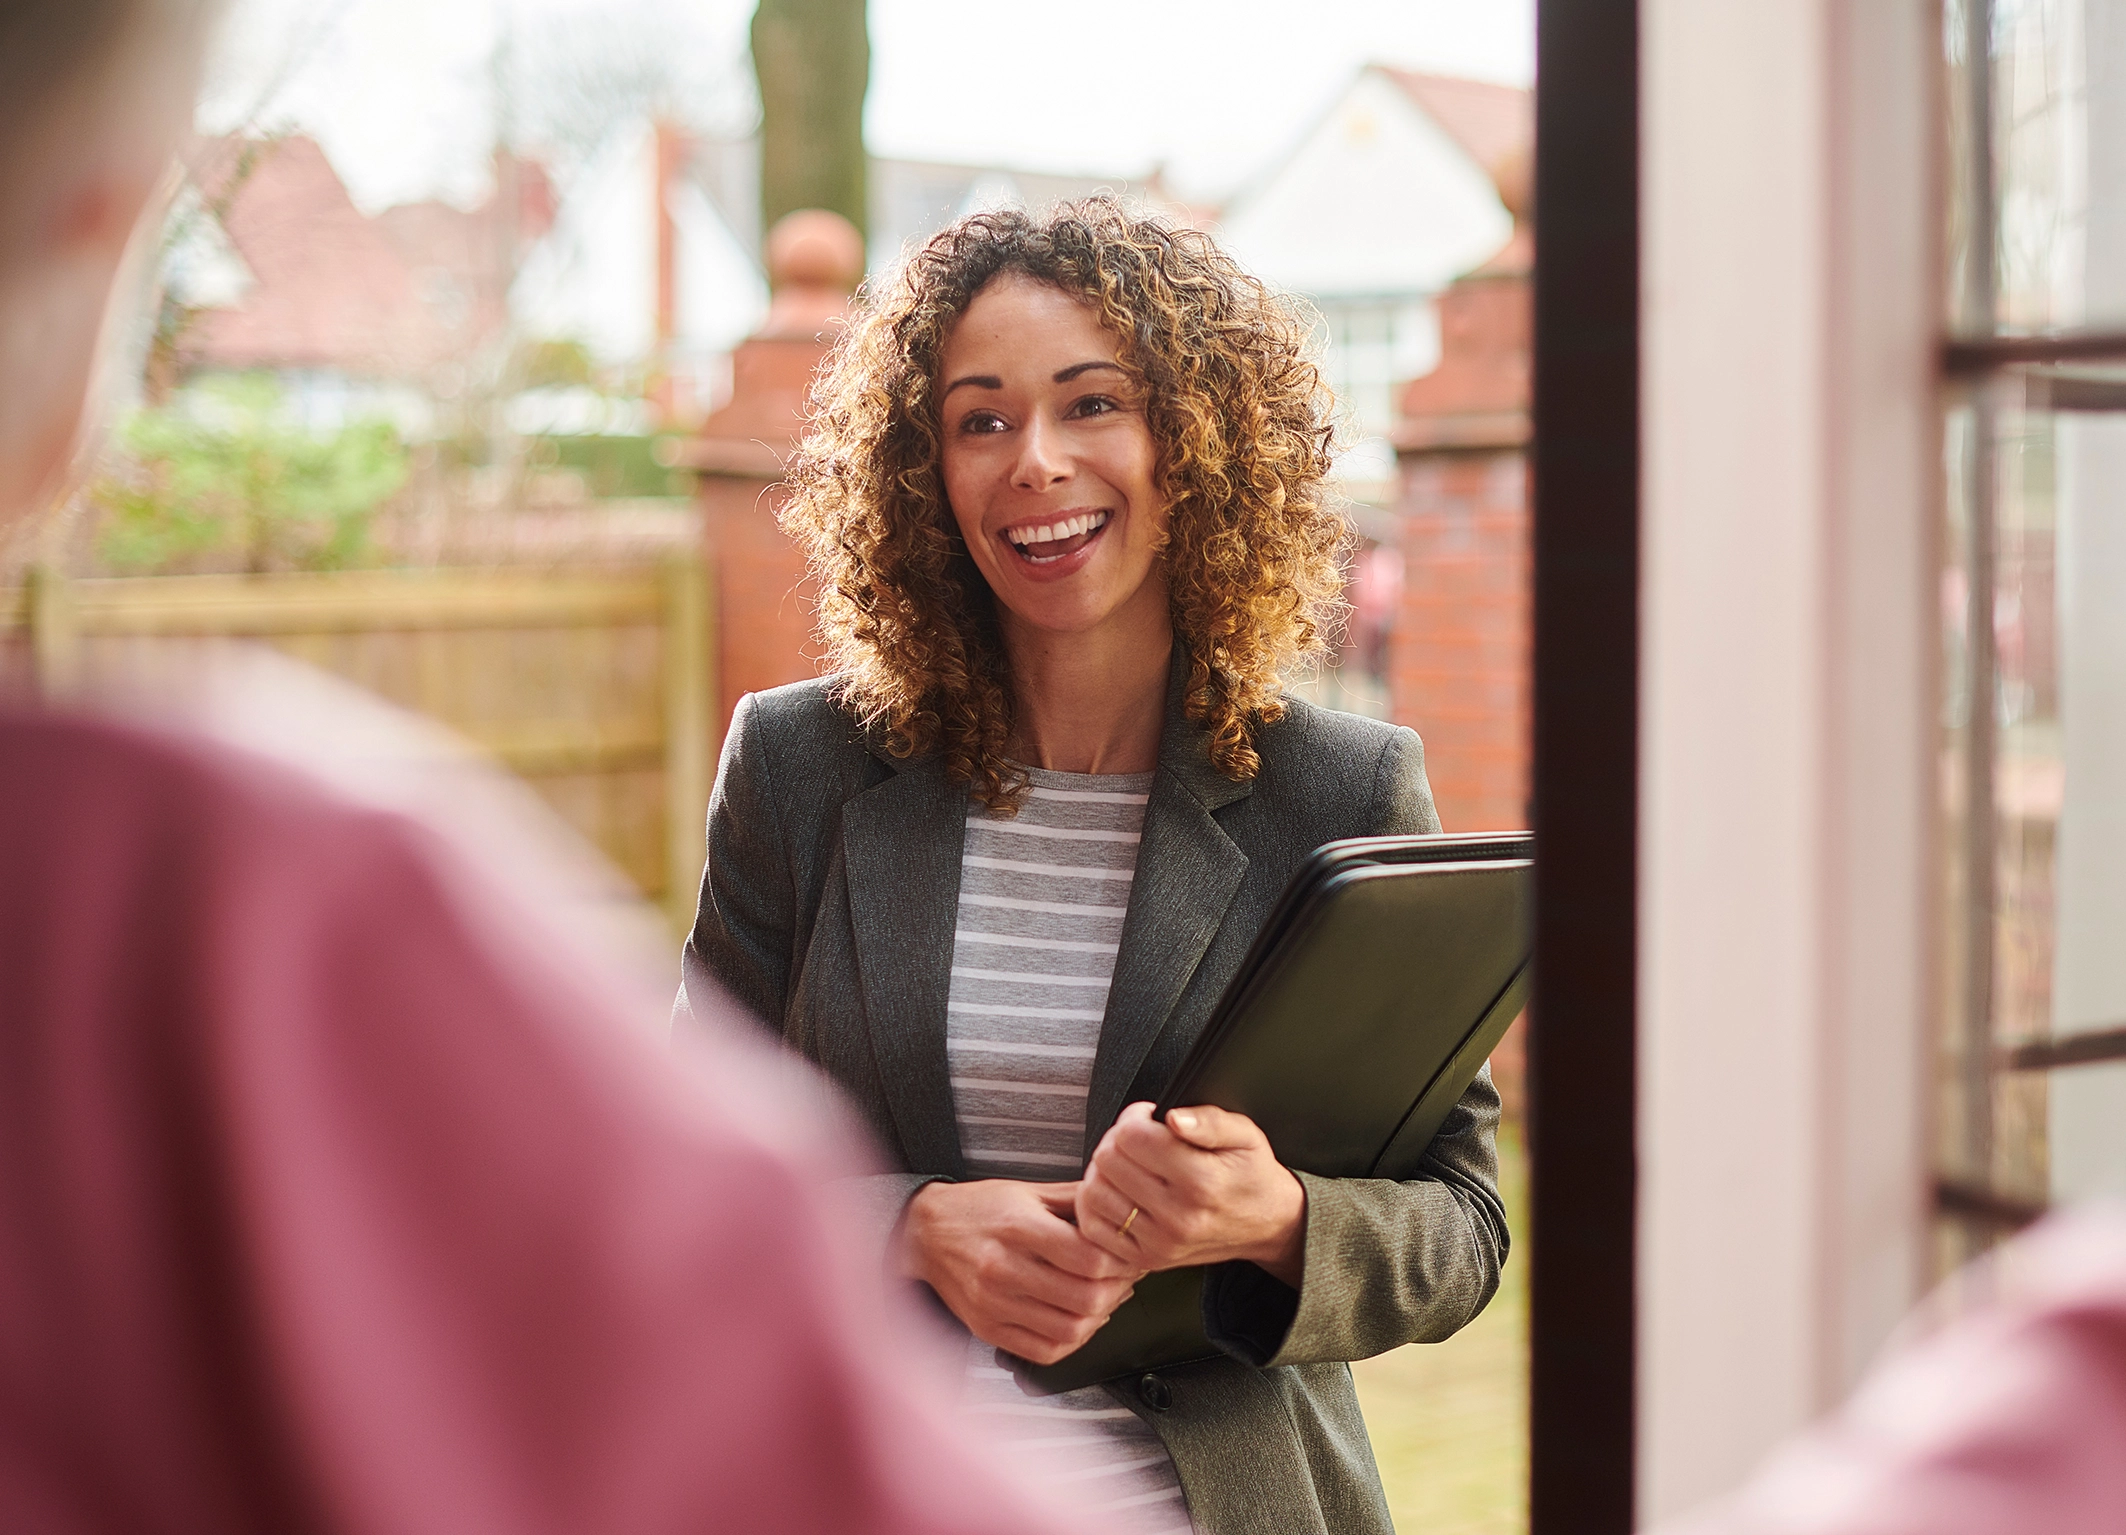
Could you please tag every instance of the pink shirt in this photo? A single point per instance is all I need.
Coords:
(330, 1197)
(2009, 1420)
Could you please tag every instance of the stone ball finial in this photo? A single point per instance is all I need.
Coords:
(813, 248)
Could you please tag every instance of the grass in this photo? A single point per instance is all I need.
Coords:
(1449, 1421)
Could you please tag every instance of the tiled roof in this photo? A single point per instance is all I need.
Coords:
(331, 288)
(389, 296)
(1494, 123)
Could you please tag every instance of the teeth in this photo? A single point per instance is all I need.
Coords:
(1069, 527)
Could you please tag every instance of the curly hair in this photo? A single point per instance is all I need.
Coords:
(1241, 422)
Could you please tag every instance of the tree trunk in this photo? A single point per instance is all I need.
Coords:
(813, 61)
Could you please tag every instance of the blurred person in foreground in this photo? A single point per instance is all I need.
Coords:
(1064, 499)
(337, 1191)
(2001, 1409)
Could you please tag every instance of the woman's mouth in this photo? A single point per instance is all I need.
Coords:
(1045, 543)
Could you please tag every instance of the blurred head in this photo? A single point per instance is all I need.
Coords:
(1184, 466)
(94, 96)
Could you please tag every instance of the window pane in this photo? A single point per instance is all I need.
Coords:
(2033, 783)
(2056, 200)
(2087, 1104)
(2001, 784)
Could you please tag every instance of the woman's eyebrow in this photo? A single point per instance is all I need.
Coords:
(1077, 368)
(979, 380)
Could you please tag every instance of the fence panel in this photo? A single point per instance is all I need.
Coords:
(592, 685)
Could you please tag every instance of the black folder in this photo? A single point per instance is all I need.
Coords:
(1373, 995)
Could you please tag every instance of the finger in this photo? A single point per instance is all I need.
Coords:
(1061, 1199)
(1213, 1129)
(1076, 1298)
(1034, 1347)
(1130, 1181)
(1071, 1250)
(1102, 1215)
(1053, 1333)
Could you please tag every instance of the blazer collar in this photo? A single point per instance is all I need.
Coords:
(1188, 871)
(904, 838)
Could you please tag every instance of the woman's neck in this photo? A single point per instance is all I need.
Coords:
(1092, 702)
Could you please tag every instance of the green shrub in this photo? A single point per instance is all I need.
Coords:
(223, 476)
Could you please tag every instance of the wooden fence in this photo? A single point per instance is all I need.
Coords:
(595, 686)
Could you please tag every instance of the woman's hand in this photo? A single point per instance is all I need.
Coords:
(1206, 1188)
(1004, 1256)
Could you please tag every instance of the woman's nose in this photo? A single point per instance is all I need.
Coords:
(1041, 462)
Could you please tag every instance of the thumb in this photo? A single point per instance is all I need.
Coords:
(1210, 1129)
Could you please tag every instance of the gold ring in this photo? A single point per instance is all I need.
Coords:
(1128, 1221)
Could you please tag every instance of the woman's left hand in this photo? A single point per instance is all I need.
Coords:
(1206, 1188)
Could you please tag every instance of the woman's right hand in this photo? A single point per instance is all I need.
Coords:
(1007, 1259)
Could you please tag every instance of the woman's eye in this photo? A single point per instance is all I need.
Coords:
(983, 421)
(1093, 405)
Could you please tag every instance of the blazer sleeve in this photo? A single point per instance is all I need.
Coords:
(1388, 1262)
(743, 923)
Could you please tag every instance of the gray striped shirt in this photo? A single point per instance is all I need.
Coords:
(1042, 897)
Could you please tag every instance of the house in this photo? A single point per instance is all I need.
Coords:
(1390, 195)
(271, 267)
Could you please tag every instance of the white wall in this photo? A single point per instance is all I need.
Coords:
(593, 278)
(1376, 200)
(1786, 714)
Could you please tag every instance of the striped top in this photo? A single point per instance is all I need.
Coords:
(1042, 897)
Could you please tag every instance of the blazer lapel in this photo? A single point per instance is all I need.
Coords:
(1188, 871)
(902, 840)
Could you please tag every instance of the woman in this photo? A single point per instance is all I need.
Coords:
(337, 1191)
(1064, 501)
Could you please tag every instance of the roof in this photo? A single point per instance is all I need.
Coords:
(1494, 124)
(332, 288)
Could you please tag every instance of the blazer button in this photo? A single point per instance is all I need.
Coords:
(1154, 1393)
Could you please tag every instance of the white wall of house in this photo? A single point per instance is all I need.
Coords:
(1376, 199)
(593, 278)
(1374, 211)
(1788, 713)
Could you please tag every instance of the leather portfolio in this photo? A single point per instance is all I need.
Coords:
(1373, 995)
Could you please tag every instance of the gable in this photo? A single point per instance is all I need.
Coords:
(1377, 199)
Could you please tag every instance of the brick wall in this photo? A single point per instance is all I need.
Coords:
(1458, 657)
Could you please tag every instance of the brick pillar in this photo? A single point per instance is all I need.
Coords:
(1460, 649)
(1458, 668)
(763, 601)
(1459, 658)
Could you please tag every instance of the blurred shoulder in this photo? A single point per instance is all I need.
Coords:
(57, 766)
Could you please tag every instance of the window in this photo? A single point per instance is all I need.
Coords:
(2033, 744)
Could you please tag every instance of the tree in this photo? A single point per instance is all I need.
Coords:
(812, 59)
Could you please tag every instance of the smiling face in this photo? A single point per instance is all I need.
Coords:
(1050, 466)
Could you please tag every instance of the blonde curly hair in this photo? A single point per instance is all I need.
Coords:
(1241, 421)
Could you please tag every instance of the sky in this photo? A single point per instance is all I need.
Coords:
(405, 95)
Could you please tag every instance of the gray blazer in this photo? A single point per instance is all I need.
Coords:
(828, 908)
